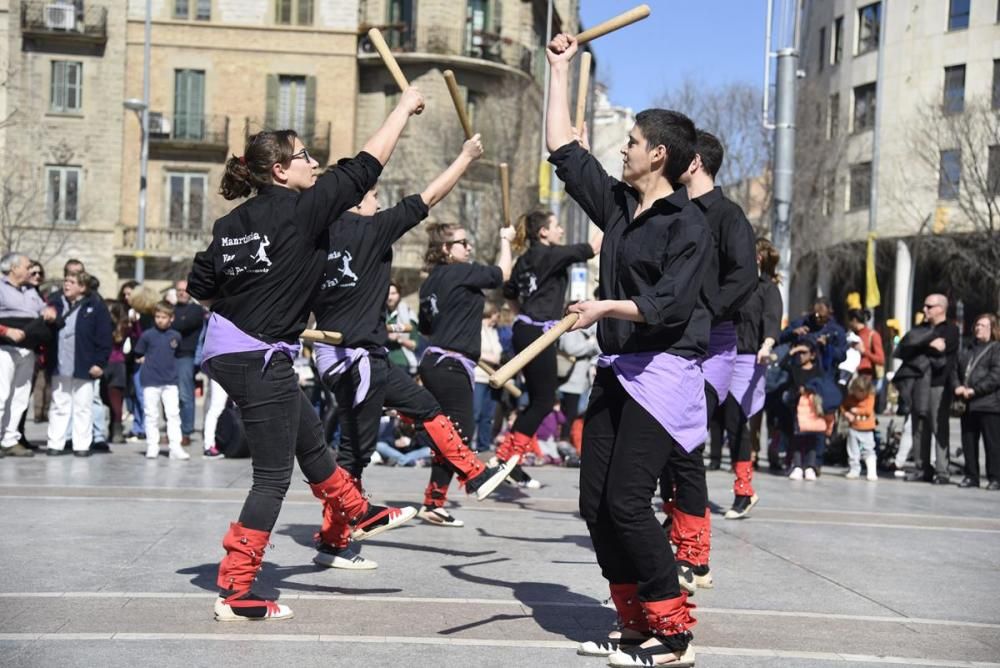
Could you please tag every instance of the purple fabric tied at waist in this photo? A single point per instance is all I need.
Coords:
(717, 365)
(223, 338)
(469, 365)
(338, 359)
(546, 325)
(748, 384)
(670, 388)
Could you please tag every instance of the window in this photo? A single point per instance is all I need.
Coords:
(833, 116)
(291, 103)
(186, 200)
(950, 174)
(62, 193)
(954, 89)
(399, 32)
(477, 22)
(993, 171)
(864, 107)
(861, 186)
(293, 12)
(837, 51)
(67, 86)
(958, 14)
(869, 20)
(821, 60)
(202, 9)
(829, 184)
(996, 84)
(189, 104)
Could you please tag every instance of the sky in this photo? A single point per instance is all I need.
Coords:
(715, 41)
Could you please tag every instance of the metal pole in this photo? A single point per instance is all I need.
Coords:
(784, 162)
(877, 131)
(140, 238)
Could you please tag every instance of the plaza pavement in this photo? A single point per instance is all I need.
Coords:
(111, 561)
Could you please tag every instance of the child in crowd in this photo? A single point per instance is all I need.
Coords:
(548, 434)
(395, 448)
(156, 351)
(809, 424)
(859, 409)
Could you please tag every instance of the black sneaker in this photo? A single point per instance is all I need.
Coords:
(940, 480)
(347, 558)
(919, 476)
(51, 452)
(381, 518)
(741, 506)
(81, 453)
(969, 482)
(486, 482)
(101, 447)
(994, 485)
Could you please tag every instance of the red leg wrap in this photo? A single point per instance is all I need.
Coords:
(515, 443)
(244, 557)
(449, 444)
(630, 612)
(343, 503)
(693, 537)
(744, 476)
(670, 616)
(435, 495)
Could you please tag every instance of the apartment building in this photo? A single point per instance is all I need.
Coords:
(938, 175)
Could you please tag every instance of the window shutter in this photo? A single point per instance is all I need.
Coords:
(271, 114)
(309, 131)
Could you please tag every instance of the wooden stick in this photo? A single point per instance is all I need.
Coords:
(509, 387)
(612, 24)
(534, 349)
(581, 93)
(400, 327)
(321, 336)
(456, 97)
(505, 193)
(375, 35)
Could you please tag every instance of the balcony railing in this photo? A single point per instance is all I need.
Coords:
(188, 135)
(45, 19)
(164, 241)
(466, 42)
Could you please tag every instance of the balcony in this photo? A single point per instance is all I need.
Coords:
(478, 45)
(64, 24)
(163, 242)
(188, 137)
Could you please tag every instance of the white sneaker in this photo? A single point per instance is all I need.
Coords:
(152, 451)
(852, 475)
(377, 458)
(657, 655)
(796, 474)
(811, 474)
(872, 476)
(347, 558)
(179, 454)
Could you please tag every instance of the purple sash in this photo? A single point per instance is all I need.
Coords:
(223, 337)
(546, 325)
(748, 384)
(340, 359)
(670, 388)
(717, 365)
(469, 365)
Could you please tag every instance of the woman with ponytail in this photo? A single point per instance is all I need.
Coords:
(451, 309)
(538, 285)
(260, 274)
(758, 324)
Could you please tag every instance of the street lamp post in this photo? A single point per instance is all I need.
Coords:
(141, 108)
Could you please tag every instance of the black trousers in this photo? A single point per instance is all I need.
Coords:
(540, 379)
(391, 387)
(570, 404)
(624, 451)
(281, 426)
(987, 426)
(447, 380)
(934, 423)
(683, 477)
(735, 424)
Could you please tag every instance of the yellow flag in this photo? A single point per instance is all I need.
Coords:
(544, 181)
(872, 296)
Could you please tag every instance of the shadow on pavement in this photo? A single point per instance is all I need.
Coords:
(271, 577)
(578, 540)
(303, 535)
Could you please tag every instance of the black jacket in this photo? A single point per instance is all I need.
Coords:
(188, 320)
(92, 337)
(984, 379)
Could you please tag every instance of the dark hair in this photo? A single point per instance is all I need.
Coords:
(675, 132)
(529, 225)
(862, 383)
(857, 315)
(824, 301)
(119, 320)
(438, 234)
(710, 149)
(82, 278)
(252, 171)
(164, 307)
(994, 324)
(769, 257)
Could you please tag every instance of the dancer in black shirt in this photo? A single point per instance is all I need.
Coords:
(258, 273)
(358, 372)
(451, 313)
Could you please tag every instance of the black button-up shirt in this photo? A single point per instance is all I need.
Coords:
(734, 241)
(759, 317)
(658, 260)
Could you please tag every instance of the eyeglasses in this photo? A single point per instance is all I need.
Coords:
(35, 273)
(304, 154)
(930, 306)
(464, 242)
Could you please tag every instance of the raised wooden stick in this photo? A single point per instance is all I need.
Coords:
(505, 193)
(375, 35)
(509, 387)
(581, 93)
(456, 97)
(620, 21)
(534, 349)
(321, 336)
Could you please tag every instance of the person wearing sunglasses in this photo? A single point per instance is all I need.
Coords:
(260, 274)
(358, 372)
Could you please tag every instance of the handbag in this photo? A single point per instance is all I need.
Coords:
(960, 406)
(564, 366)
(808, 418)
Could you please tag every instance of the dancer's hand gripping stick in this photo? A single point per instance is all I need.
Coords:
(534, 349)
